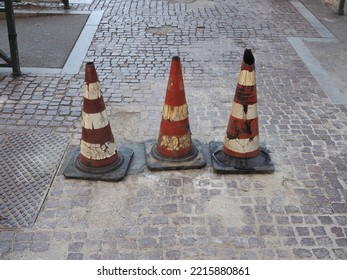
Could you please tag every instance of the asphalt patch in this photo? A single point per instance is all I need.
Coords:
(44, 40)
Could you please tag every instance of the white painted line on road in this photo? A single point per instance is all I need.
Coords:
(74, 62)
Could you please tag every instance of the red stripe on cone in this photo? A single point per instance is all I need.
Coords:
(90, 74)
(245, 95)
(242, 129)
(178, 129)
(93, 106)
(248, 62)
(97, 136)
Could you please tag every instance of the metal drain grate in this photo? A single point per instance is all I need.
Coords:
(28, 163)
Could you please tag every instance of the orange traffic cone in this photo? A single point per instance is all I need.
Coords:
(174, 148)
(98, 157)
(98, 148)
(241, 152)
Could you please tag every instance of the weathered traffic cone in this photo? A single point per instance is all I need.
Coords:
(98, 157)
(240, 152)
(175, 148)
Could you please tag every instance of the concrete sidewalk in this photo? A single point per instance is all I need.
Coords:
(298, 212)
(328, 59)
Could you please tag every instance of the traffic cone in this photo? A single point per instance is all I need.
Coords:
(98, 157)
(175, 148)
(241, 152)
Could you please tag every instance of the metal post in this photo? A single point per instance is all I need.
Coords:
(66, 4)
(340, 10)
(12, 36)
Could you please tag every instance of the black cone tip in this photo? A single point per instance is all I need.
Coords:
(248, 57)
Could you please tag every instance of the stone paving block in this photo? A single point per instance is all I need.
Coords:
(341, 242)
(321, 253)
(21, 246)
(324, 241)
(74, 256)
(302, 253)
(5, 247)
(340, 253)
(39, 247)
(76, 246)
(173, 255)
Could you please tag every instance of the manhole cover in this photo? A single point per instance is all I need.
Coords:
(28, 163)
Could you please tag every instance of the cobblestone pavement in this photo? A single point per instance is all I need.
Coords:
(298, 212)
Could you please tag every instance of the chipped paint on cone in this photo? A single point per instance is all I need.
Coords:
(98, 151)
(173, 143)
(244, 112)
(174, 138)
(247, 78)
(241, 152)
(173, 82)
(242, 135)
(92, 91)
(175, 113)
(94, 121)
(241, 146)
(242, 129)
(97, 144)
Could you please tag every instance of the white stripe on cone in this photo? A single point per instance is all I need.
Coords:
(238, 111)
(175, 113)
(247, 78)
(95, 120)
(92, 91)
(242, 146)
(98, 151)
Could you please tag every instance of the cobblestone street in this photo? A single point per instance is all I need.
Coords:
(298, 212)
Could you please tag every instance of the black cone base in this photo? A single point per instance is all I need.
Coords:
(114, 172)
(156, 162)
(223, 163)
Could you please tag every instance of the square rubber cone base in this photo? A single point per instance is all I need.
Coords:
(114, 173)
(223, 163)
(156, 162)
